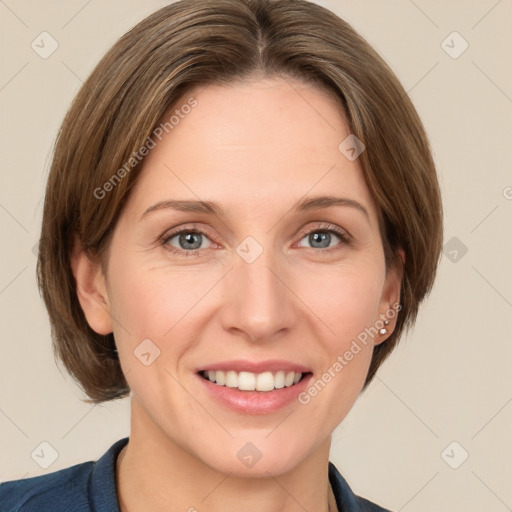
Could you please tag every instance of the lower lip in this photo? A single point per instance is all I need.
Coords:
(255, 402)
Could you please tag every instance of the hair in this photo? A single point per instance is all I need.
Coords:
(200, 42)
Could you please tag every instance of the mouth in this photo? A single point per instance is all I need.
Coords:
(254, 387)
(263, 382)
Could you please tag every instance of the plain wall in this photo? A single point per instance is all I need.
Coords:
(449, 380)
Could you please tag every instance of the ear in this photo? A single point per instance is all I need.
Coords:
(390, 297)
(91, 289)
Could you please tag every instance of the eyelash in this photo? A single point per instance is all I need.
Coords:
(325, 228)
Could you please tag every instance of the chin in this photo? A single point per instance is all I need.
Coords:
(254, 456)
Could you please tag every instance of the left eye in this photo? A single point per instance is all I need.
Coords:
(322, 238)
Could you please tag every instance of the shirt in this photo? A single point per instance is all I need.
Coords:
(91, 487)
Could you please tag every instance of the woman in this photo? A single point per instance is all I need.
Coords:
(241, 218)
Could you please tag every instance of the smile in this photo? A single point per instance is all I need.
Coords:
(247, 381)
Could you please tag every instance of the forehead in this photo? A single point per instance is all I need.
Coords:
(274, 138)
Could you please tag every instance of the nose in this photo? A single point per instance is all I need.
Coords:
(258, 302)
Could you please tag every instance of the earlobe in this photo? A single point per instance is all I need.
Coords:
(91, 289)
(390, 299)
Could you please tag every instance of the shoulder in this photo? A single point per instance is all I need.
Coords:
(345, 497)
(53, 491)
(81, 488)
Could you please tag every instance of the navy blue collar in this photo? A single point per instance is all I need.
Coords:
(102, 481)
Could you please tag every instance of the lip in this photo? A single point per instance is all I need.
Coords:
(244, 365)
(254, 402)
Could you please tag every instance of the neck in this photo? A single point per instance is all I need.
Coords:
(155, 473)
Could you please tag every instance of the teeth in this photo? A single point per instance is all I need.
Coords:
(247, 381)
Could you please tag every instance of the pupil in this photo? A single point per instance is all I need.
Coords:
(190, 238)
(322, 237)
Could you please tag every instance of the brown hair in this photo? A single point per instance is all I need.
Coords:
(198, 42)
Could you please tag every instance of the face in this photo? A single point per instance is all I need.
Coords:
(269, 282)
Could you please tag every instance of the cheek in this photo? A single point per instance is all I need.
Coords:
(157, 305)
(345, 299)
(151, 302)
(348, 304)
(163, 306)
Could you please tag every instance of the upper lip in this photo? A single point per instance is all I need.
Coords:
(243, 365)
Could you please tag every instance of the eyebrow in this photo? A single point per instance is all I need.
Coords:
(208, 207)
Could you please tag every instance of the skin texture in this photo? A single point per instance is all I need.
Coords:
(294, 302)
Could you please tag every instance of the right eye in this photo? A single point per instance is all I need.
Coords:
(186, 241)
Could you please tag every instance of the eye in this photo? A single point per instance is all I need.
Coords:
(190, 241)
(324, 238)
(186, 241)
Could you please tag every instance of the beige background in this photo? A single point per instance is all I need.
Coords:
(450, 380)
